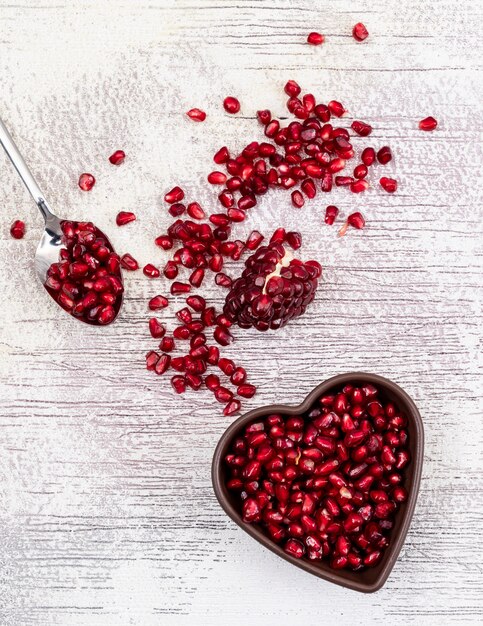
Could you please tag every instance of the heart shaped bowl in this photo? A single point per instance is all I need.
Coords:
(367, 580)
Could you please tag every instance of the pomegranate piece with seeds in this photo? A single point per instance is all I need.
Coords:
(17, 229)
(273, 289)
(325, 485)
(87, 279)
(86, 181)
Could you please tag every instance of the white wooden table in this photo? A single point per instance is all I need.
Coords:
(107, 515)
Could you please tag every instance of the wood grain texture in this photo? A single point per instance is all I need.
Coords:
(107, 515)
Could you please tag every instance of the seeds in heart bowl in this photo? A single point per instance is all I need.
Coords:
(331, 483)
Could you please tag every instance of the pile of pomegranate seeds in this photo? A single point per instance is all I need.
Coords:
(17, 229)
(429, 123)
(87, 280)
(86, 182)
(273, 288)
(327, 484)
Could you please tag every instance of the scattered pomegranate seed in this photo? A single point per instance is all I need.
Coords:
(117, 157)
(296, 476)
(264, 116)
(388, 184)
(177, 288)
(368, 156)
(336, 108)
(197, 115)
(331, 212)
(178, 383)
(292, 88)
(151, 271)
(361, 128)
(246, 391)
(128, 262)
(158, 302)
(217, 178)
(86, 182)
(384, 155)
(175, 195)
(428, 124)
(356, 220)
(297, 199)
(231, 105)
(315, 39)
(124, 217)
(359, 32)
(294, 240)
(232, 407)
(17, 229)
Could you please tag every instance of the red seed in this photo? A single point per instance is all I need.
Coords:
(359, 32)
(359, 185)
(315, 39)
(177, 209)
(222, 336)
(195, 211)
(428, 124)
(151, 271)
(292, 88)
(128, 262)
(264, 117)
(177, 288)
(232, 407)
(86, 182)
(361, 128)
(294, 240)
(246, 390)
(388, 184)
(156, 329)
(163, 364)
(384, 155)
(360, 171)
(231, 104)
(308, 187)
(196, 277)
(222, 156)
(197, 115)
(336, 108)
(117, 157)
(17, 229)
(254, 240)
(167, 344)
(158, 302)
(217, 178)
(124, 217)
(178, 383)
(175, 195)
(297, 199)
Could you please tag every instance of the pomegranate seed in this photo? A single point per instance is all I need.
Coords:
(295, 548)
(167, 344)
(195, 211)
(232, 407)
(254, 240)
(222, 280)
(196, 277)
(217, 178)
(151, 360)
(297, 199)
(246, 390)
(163, 364)
(308, 187)
(294, 240)
(179, 384)
(231, 105)
(86, 182)
(292, 88)
(117, 157)
(222, 336)
(315, 39)
(151, 271)
(177, 288)
(17, 229)
(368, 156)
(175, 195)
(124, 217)
(359, 32)
(222, 156)
(176, 209)
(156, 329)
(129, 263)
(336, 108)
(158, 302)
(358, 186)
(428, 124)
(361, 128)
(360, 171)
(197, 115)
(384, 155)
(264, 117)
(388, 184)
(331, 212)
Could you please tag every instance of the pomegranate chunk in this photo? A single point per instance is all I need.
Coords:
(17, 229)
(298, 478)
(273, 289)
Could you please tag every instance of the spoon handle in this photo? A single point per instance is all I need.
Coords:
(23, 171)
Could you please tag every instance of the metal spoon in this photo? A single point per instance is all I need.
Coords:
(51, 240)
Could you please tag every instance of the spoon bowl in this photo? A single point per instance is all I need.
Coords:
(70, 286)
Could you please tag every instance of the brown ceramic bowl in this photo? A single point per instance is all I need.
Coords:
(368, 580)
